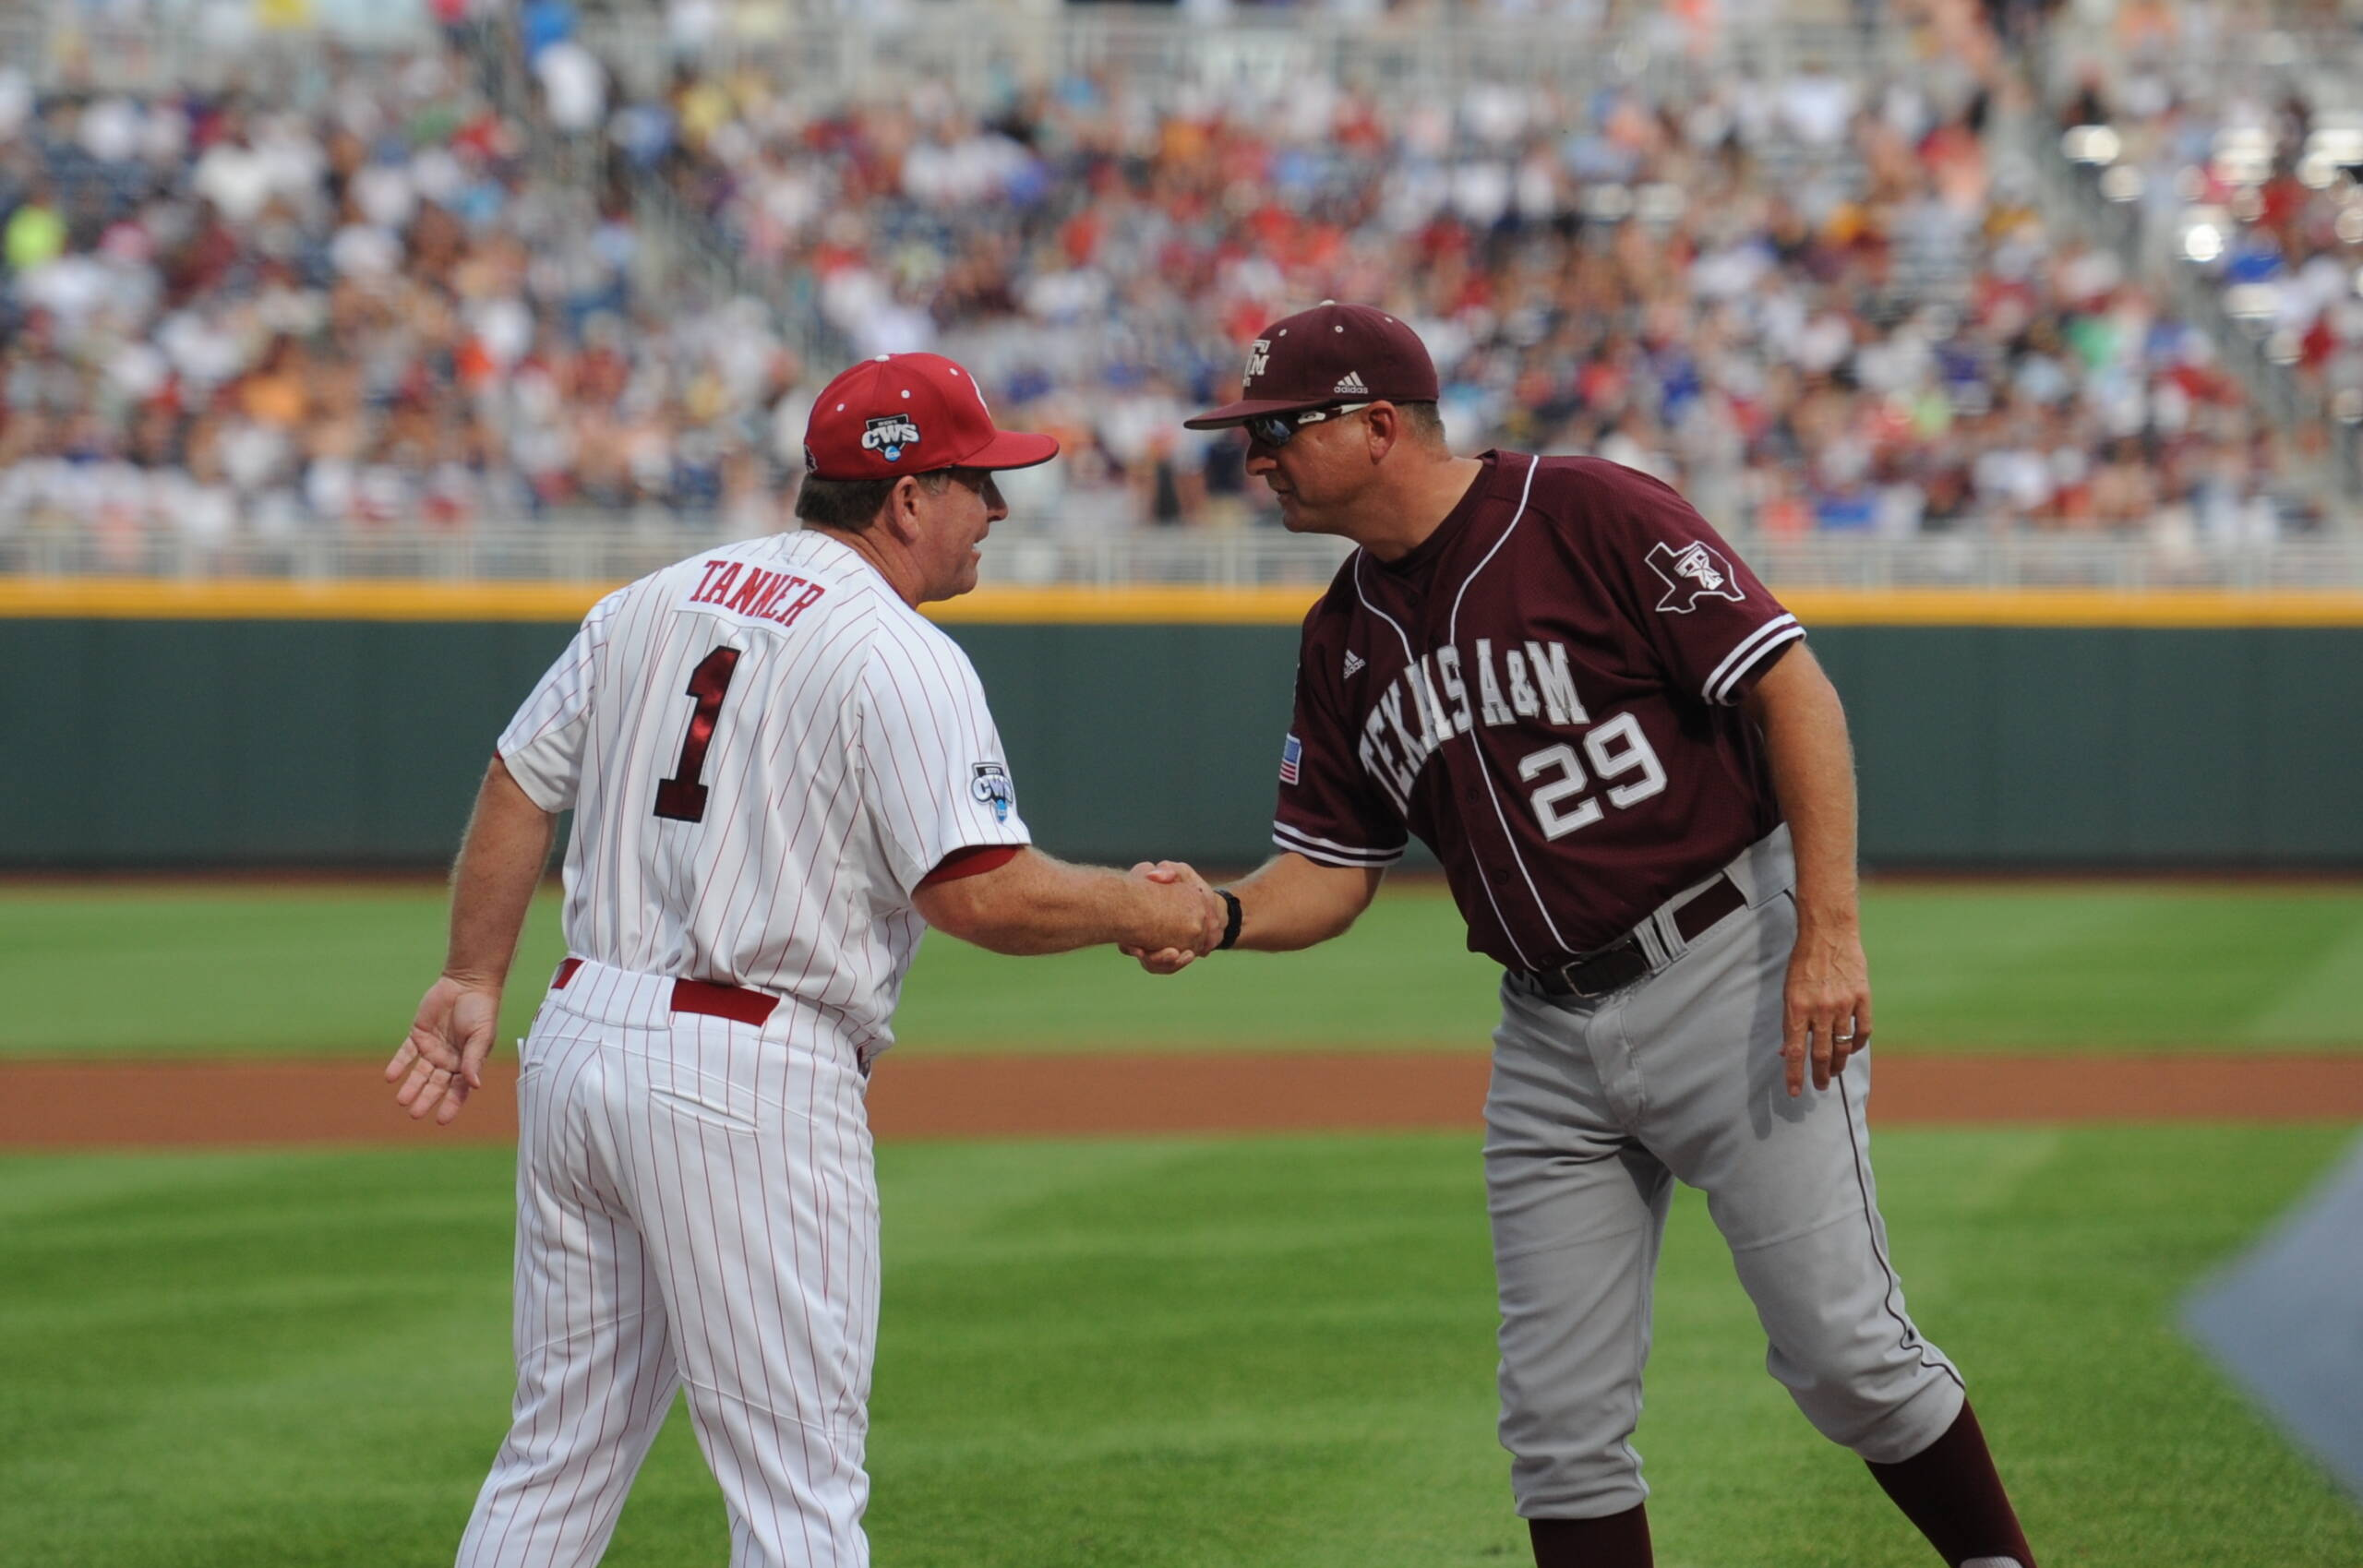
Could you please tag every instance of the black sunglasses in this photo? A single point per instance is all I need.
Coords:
(1279, 429)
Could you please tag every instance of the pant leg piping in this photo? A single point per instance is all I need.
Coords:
(1912, 1339)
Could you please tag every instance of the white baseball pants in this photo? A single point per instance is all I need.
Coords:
(696, 1208)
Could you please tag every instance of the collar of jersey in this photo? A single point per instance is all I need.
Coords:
(1421, 559)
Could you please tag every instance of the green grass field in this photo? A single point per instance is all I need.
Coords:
(1273, 1353)
(283, 970)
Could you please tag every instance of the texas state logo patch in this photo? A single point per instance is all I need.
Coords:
(1694, 572)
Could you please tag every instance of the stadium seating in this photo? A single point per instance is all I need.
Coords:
(2230, 154)
(1812, 285)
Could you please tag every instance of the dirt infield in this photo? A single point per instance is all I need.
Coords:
(164, 1105)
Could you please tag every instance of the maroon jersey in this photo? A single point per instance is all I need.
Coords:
(1543, 693)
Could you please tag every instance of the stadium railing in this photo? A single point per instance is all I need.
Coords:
(1244, 557)
(974, 46)
(977, 48)
(65, 46)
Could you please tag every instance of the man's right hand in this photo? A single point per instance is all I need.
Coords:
(1183, 947)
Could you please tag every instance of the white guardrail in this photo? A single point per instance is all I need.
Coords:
(1242, 557)
(836, 50)
(974, 46)
(1258, 52)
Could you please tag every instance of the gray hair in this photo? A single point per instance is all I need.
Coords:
(1424, 422)
(852, 505)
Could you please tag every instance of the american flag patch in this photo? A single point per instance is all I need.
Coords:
(1290, 755)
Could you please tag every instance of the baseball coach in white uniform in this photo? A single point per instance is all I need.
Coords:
(779, 772)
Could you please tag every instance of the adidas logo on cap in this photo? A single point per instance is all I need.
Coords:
(1351, 385)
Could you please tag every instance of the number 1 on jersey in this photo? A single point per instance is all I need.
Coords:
(682, 797)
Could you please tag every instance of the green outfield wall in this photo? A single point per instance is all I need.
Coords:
(217, 741)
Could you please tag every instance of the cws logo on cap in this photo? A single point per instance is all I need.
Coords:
(910, 413)
(888, 434)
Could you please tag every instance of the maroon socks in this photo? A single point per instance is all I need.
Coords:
(1621, 1540)
(1950, 1491)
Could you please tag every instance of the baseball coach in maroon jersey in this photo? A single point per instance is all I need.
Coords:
(1559, 678)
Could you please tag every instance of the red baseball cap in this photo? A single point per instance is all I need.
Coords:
(1332, 353)
(910, 413)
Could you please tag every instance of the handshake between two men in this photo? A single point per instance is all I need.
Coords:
(1161, 912)
(1220, 903)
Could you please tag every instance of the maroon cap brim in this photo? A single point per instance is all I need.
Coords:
(1246, 409)
(1012, 448)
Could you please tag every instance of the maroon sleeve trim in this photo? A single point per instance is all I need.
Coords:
(973, 861)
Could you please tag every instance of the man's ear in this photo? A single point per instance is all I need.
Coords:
(1385, 422)
(902, 508)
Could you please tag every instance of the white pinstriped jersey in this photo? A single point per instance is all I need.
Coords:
(765, 750)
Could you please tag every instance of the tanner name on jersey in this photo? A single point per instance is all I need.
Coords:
(751, 591)
(1431, 702)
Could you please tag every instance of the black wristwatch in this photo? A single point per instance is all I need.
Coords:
(1231, 924)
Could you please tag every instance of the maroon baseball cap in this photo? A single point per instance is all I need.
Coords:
(1332, 353)
(910, 413)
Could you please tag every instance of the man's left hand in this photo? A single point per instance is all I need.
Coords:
(1826, 1004)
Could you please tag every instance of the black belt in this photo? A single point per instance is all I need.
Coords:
(1624, 961)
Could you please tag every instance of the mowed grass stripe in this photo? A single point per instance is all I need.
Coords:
(2086, 966)
(1102, 1355)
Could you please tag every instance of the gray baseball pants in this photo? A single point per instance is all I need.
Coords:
(1597, 1107)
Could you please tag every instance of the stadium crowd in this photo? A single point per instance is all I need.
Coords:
(1808, 299)
(2242, 149)
(233, 313)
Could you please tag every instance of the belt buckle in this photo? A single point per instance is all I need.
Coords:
(1575, 988)
(1568, 972)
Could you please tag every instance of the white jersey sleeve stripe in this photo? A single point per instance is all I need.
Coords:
(1331, 853)
(1753, 647)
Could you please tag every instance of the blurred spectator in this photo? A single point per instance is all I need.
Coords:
(574, 87)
